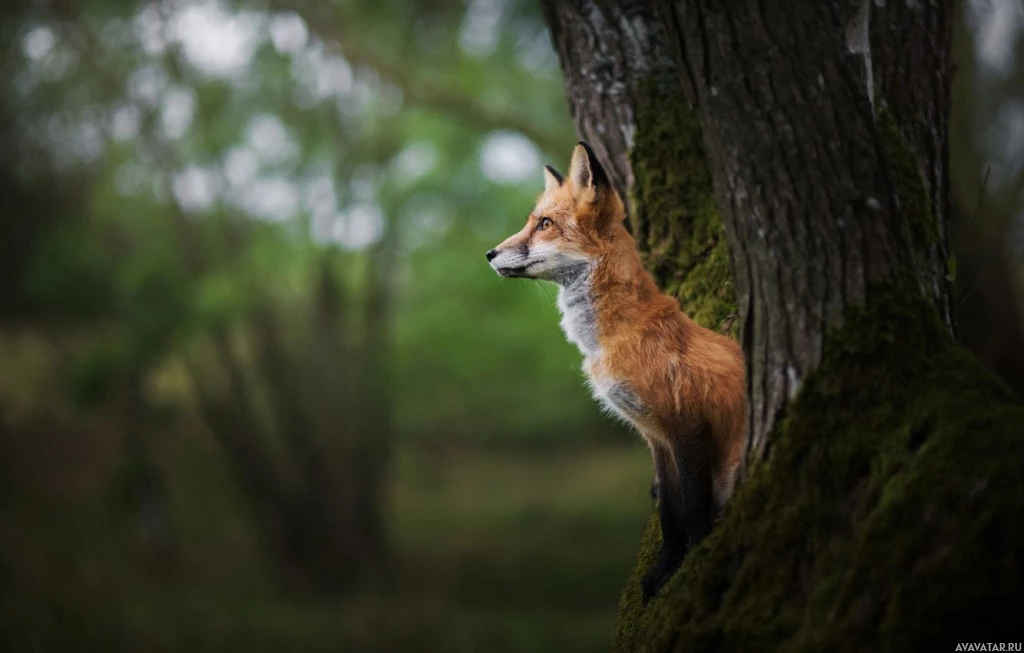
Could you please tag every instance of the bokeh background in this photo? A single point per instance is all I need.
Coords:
(259, 390)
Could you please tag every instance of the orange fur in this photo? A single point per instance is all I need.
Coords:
(687, 376)
(681, 385)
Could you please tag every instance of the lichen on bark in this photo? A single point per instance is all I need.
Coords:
(885, 516)
(674, 216)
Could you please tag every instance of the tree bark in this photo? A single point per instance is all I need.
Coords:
(808, 164)
(878, 489)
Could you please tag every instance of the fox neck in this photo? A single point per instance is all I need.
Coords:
(576, 302)
(602, 295)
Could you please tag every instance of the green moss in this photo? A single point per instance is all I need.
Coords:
(673, 212)
(911, 188)
(886, 516)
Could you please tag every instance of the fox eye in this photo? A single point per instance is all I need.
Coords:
(543, 224)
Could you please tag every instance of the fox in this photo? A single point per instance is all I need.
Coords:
(679, 385)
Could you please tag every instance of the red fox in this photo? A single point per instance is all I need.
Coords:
(680, 385)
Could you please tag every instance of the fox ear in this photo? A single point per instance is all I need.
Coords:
(586, 171)
(552, 179)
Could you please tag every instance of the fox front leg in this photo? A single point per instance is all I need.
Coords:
(684, 507)
(673, 536)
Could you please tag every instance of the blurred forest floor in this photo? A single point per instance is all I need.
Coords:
(520, 550)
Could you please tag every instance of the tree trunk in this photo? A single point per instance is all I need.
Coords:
(820, 189)
(880, 490)
(319, 506)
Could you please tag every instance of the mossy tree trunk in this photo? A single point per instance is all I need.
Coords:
(825, 184)
(881, 487)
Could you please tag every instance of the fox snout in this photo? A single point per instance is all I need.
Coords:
(511, 259)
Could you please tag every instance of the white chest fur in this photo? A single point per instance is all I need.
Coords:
(579, 319)
(579, 322)
(618, 399)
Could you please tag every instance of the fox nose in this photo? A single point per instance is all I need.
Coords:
(491, 254)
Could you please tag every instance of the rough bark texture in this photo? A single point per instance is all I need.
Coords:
(806, 179)
(911, 73)
(882, 514)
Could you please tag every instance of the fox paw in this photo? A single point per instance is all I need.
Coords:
(656, 577)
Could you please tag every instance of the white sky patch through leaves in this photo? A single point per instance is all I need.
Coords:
(508, 157)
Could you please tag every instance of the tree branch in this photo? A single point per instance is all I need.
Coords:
(416, 85)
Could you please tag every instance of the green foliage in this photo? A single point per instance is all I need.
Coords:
(241, 280)
(69, 276)
(899, 425)
(166, 275)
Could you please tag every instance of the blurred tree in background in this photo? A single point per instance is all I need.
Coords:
(259, 389)
(259, 227)
(987, 183)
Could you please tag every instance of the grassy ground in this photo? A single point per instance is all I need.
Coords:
(493, 552)
(529, 551)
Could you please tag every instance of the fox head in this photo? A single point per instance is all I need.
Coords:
(575, 221)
